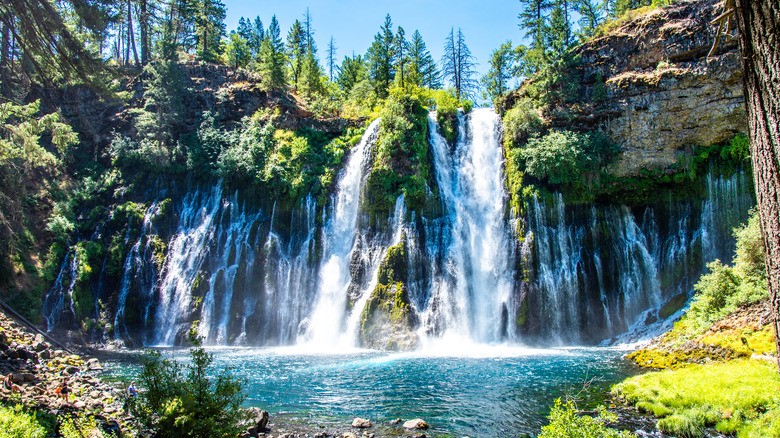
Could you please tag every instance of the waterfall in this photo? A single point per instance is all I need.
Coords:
(340, 236)
(137, 268)
(471, 246)
(59, 299)
(186, 256)
(603, 272)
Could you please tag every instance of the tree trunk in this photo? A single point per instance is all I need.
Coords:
(5, 62)
(130, 32)
(758, 22)
(143, 21)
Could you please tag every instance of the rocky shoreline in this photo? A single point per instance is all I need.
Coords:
(37, 369)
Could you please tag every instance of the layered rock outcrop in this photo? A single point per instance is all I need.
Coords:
(648, 83)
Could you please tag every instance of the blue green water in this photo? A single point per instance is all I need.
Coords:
(488, 393)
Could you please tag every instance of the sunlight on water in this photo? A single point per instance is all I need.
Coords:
(474, 390)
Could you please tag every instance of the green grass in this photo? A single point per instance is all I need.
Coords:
(18, 422)
(738, 397)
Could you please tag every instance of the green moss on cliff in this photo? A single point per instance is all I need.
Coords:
(388, 320)
(401, 161)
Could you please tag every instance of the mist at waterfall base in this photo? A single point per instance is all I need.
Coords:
(476, 391)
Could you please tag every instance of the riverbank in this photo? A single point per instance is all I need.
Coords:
(722, 380)
(37, 368)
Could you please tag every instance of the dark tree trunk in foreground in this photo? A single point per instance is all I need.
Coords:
(758, 22)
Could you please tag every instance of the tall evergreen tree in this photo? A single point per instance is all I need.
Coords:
(352, 71)
(558, 33)
(308, 29)
(422, 67)
(209, 28)
(401, 49)
(458, 65)
(256, 37)
(503, 67)
(381, 57)
(331, 59)
(311, 76)
(758, 25)
(534, 21)
(296, 51)
(244, 29)
(591, 17)
(272, 58)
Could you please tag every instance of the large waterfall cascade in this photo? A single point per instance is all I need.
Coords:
(251, 277)
(470, 291)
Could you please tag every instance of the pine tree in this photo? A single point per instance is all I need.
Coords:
(244, 29)
(591, 17)
(458, 65)
(308, 29)
(311, 77)
(401, 50)
(236, 51)
(534, 21)
(209, 28)
(272, 58)
(380, 58)
(352, 71)
(422, 67)
(256, 37)
(503, 67)
(558, 33)
(296, 51)
(331, 57)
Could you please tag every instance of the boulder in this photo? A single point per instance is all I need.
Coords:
(417, 423)
(395, 422)
(361, 423)
(39, 339)
(348, 435)
(94, 365)
(45, 354)
(72, 369)
(257, 421)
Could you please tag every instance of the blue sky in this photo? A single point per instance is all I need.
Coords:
(353, 23)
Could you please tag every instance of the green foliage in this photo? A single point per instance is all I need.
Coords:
(393, 267)
(564, 156)
(503, 67)
(737, 397)
(236, 51)
(191, 400)
(21, 130)
(521, 123)
(272, 58)
(566, 423)
(556, 81)
(726, 288)
(80, 426)
(352, 72)
(163, 100)
(401, 164)
(18, 422)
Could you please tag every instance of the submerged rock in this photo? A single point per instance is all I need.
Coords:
(361, 423)
(417, 423)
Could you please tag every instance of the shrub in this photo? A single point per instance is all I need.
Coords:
(191, 400)
(563, 156)
(725, 288)
(566, 423)
(521, 122)
(17, 422)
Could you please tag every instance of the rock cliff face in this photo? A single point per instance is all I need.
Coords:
(649, 84)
